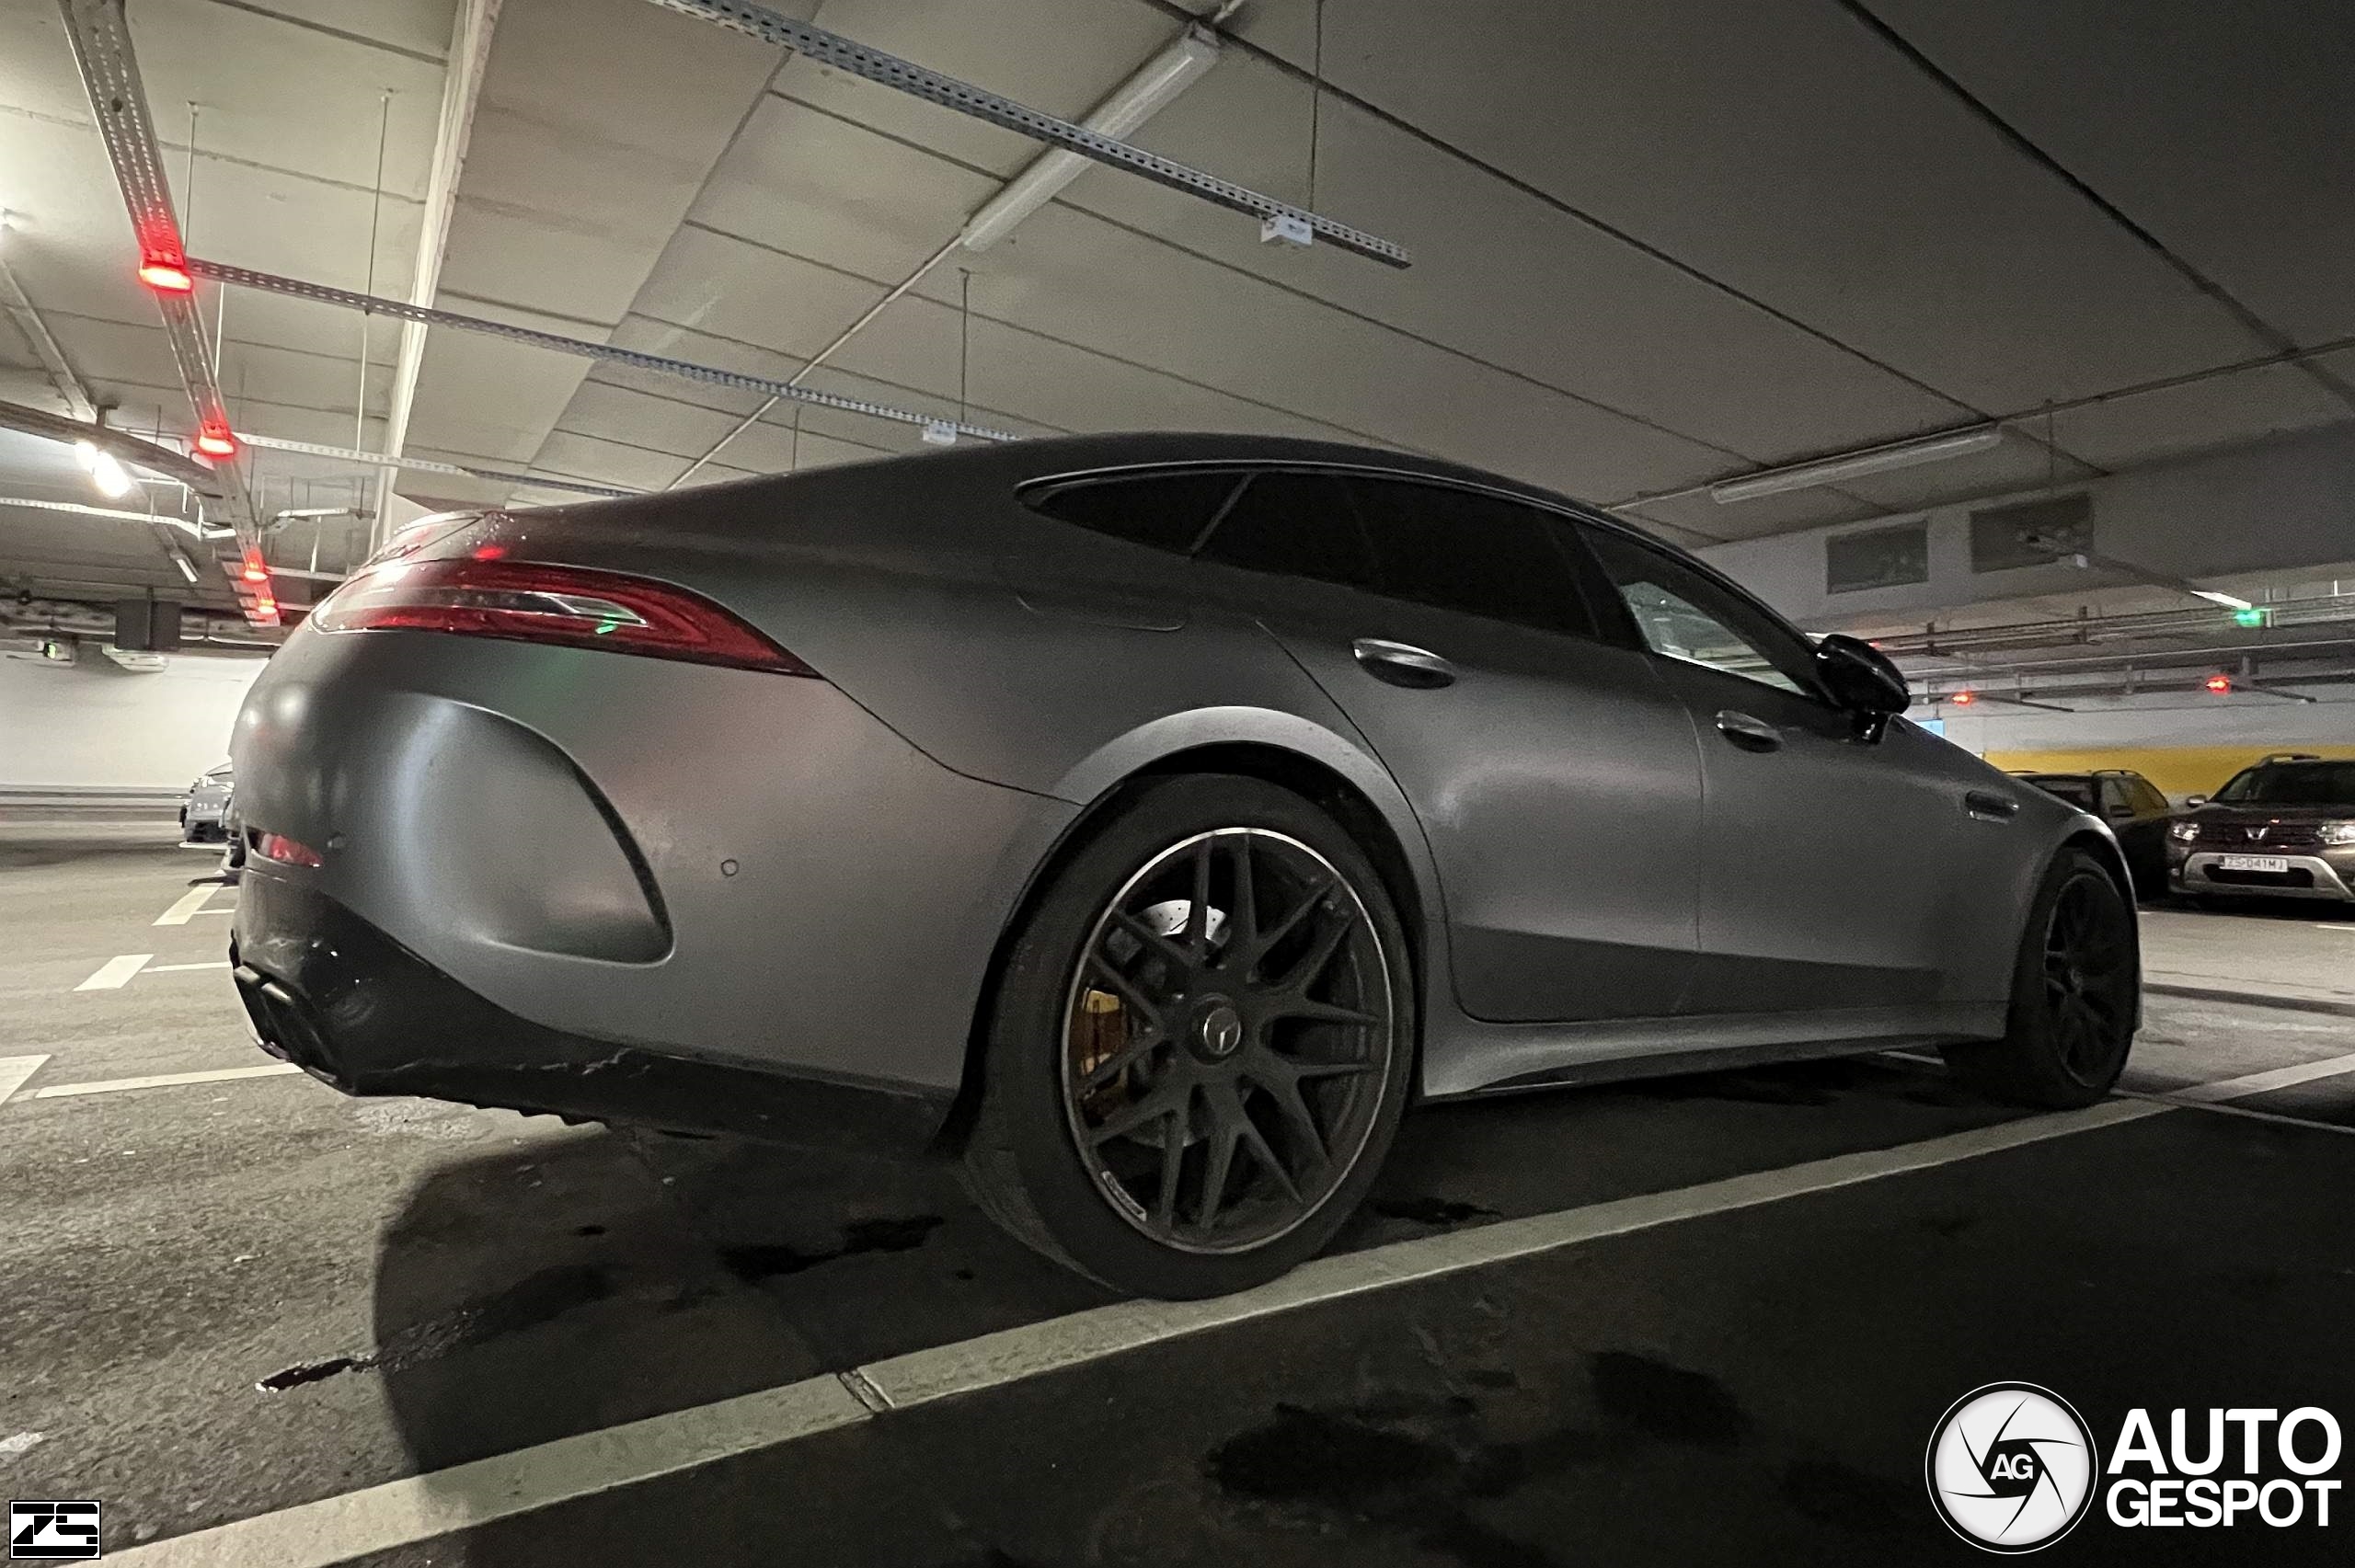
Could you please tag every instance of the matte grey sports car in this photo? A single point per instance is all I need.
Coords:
(1145, 821)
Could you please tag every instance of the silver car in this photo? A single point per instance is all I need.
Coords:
(204, 811)
(1145, 821)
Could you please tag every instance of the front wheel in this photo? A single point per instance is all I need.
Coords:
(1202, 1045)
(2074, 992)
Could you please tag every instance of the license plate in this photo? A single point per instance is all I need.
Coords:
(2255, 862)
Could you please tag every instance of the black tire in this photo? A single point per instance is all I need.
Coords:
(2074, 986)
(1039, 1157)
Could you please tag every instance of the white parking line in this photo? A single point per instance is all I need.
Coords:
(2263, 1083)
(188, 904)
(162, 1079)
(418, 1508)
(184, 968)
(115, 973)
(13, 1070)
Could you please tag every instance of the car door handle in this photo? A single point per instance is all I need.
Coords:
(1402, 664)
(1750, 734)
(1989, 806)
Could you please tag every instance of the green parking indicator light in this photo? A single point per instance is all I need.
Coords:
(2251, 616)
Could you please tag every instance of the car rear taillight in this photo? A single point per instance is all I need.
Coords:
(281, 848)
(533, 602)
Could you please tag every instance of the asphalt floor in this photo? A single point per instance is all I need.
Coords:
(222, 1297)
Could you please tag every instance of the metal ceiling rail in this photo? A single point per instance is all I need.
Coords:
(14, 301)
(101, 40)
(427, 465)
(686, 370)
(891, 71)
(2317, 609)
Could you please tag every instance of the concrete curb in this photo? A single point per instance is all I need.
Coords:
(2252, 999)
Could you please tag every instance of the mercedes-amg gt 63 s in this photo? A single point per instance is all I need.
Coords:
(1142, 822)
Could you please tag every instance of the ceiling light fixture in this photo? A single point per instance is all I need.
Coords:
(2229, 600)
(1855, 465)
(166, 276)
(216, 440)
(112, 480)
(181, 562)
(1130, 105)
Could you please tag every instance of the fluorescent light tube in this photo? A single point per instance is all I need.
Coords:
(1131, 104)
(1855, 465)
(2230, 602)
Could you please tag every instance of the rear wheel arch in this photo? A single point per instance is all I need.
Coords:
(1314, 781)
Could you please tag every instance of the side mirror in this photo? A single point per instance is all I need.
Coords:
(1860, 677)
(2193, 802)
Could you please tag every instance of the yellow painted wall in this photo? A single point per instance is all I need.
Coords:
(2177, 770)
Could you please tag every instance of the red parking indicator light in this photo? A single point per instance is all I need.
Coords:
(166, 276)
(216, 440)
(2218, 682)
(1964, 699)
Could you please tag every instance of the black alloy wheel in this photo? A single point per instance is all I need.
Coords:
(2088, 977)
(1229, 1029)
(1201, 1044)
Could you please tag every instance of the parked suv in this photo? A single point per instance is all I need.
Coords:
(2134, 810)
(2285, 828)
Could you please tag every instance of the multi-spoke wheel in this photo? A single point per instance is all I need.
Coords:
(1202, 1045)
(2075, 994)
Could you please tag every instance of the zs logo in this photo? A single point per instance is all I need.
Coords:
(53, 1531)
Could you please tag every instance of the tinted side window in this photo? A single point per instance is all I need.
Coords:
(2147, 797)
(1298, 524)
(1167, 512)
(1460, 550)
(1685, 615)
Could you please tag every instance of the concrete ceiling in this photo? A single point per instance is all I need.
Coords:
(1655, 244)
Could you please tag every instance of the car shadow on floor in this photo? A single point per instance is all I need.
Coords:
(595, 1277)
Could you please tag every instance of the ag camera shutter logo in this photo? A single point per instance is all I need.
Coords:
(2011, 1467)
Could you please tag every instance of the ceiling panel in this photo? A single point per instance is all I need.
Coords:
(2222, 128)
(1507, 279)
(2174, 422)
(1781, 147)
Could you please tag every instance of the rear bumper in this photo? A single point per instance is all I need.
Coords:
(690, 863)
(354, 1008)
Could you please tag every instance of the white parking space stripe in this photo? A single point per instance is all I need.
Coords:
(2264, 1083)
(403, 1512)
(189, 903)
(13, 1070)
(184, 968)
(164, 1080)
(115, 973)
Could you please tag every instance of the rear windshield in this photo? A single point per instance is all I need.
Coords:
(2292, 784)
(2078, 793)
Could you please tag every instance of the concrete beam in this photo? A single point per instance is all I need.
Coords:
(2281, 507)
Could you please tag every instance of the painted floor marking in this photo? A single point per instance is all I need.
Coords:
(188, 904)
(420, 1508)
(13, 1070)
(163, 1080)
(115, 973)
(184, 968)
(2263, 1083)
